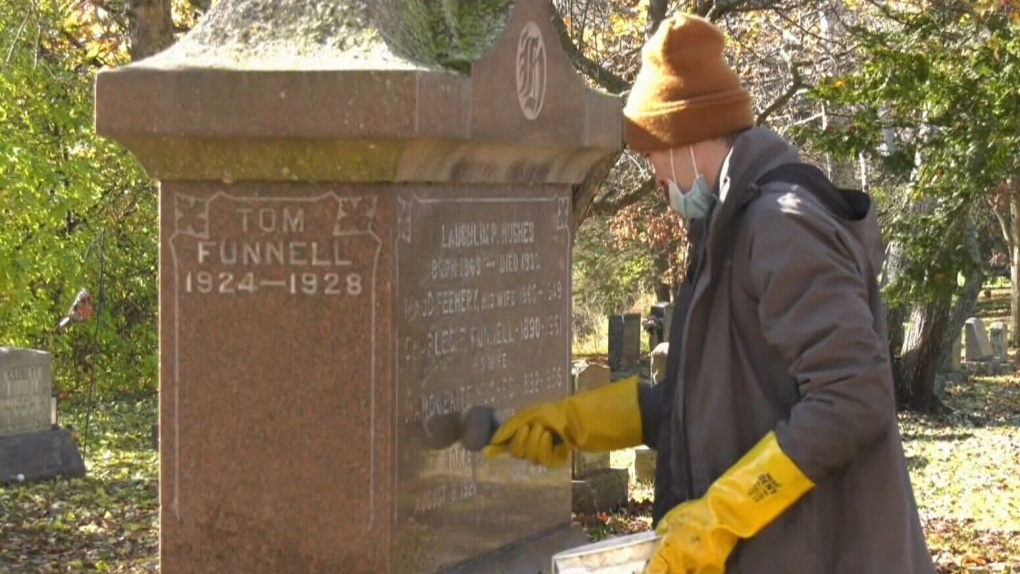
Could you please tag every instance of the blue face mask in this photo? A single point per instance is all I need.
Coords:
(695, 203)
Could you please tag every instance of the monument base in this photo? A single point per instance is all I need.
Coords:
(531, 556)
(38, 456)
(985, 368)
(600, 491)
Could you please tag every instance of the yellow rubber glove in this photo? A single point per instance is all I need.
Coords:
(699, 535)
(599, 420)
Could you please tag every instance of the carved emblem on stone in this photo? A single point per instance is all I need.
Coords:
(191, 216)
(531, 70)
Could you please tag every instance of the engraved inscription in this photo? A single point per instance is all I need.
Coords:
(281, 247)
(24, 399)
(271, 296)
(481, 293)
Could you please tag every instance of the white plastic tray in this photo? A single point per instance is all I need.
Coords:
(621, 555)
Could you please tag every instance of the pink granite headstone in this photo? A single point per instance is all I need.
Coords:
(355, 239)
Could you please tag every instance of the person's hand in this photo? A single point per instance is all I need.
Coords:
(699, 535)
(599, 420)
(690, 543)
(536, 435)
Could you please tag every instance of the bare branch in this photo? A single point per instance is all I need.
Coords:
(630, 197)
(602, 76)
(17, 35)
(656, 14)
(719, 8)
(583, 194)
(796, 85)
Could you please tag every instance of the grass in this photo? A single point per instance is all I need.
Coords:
(963, 467)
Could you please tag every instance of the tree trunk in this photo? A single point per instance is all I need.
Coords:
(894, 315)
(1014, 265)
(656, 14)
(915, 385)
(150, 26)
(583, 194)
(966, 301)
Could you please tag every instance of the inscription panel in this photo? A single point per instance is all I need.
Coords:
(482, 311)
(269, 393)
(25, 389)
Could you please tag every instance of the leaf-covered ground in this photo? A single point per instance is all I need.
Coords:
(964, 467)
(106, 522)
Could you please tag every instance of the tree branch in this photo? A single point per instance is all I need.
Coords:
(583, 194)
(796, 85)
(656, 14)
(602, 76)
(719, 8)
(634, 195)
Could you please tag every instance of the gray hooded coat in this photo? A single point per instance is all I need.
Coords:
(779, 326)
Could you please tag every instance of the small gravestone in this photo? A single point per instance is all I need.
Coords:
(644, 464)
(589, 376)
(624, 341)
(978, 347)
(997, 336)
(940, 386)
(595, 486)
(31, 449)
(657, 365)
(663, 311)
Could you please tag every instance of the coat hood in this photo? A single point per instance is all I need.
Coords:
(759, 151)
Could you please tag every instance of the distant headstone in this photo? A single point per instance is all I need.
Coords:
(956, 353)
(589, 376)
(624, 341)
(365, 225)
(658, 363)
(664, 310)
(595, 486)
(31, 449)
(997, 336)
(25, 390)
(940, 387)
(601, 491)
(978, 347)
(644, 464)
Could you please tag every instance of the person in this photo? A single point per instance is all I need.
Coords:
(778, 446)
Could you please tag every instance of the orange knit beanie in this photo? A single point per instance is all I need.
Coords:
(685, 92)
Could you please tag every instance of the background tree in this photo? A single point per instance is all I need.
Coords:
(77, 209)
(942, 80)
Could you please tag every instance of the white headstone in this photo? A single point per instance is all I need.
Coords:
(25, 386)
(978, 346)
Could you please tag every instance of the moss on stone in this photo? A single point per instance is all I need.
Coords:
(447, 33)
(341, 34)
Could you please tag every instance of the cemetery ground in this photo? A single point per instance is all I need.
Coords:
(963, 465)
